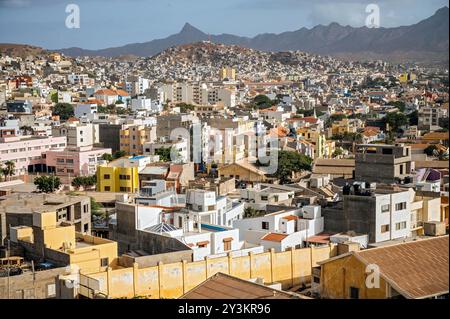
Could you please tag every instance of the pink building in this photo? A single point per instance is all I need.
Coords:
(26, 151)
(75, 161)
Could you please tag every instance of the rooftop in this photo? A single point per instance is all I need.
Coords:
(222, 286)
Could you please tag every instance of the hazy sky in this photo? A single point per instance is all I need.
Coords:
(107, 23)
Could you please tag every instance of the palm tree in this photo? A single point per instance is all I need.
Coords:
(9, 168)
(1, 173)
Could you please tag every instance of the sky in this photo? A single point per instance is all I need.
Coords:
(110, 23)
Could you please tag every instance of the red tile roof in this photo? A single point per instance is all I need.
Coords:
(274, 237)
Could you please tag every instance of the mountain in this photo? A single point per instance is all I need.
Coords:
(21, 50)
(426, 40)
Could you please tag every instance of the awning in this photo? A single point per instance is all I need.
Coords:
(228, 239)
(203, 243)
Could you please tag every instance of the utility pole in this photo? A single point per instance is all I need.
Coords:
(8, 255)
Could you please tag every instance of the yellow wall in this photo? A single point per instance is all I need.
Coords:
(290, 268)
(54, 238)
(88, 259)
(339, 275)
(115, 183)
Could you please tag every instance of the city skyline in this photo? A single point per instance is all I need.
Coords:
(43, 22)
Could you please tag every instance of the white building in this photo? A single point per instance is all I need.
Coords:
(262, 195)
(282, 230)
(85, 109)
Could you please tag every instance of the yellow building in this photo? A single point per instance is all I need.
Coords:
(413, 270)
(318, 139)
(346, 126)
(133, 138)
(120, 176)
(63, 246)
(228, 73)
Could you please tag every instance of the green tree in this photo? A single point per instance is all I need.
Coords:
(27, 130)
(63, 110)
(396, 120)
(413, 118)
(96, 209)
(9, 168)
(185, 107)
(102, 109)
(107, 157)
(47, 184)
(338, 152)
(289, 162)
(84, 181)
(54, 97)
(443, 122)
(119, 154)
(164, 154)
(262, 101)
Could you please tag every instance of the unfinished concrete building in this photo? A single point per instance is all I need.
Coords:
(386, 164)
(17, 210)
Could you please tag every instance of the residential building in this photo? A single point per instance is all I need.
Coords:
(133, 138)
(17, 210)
(422, 262)
(62, 245)
(283, 229)
(383, 163)
(121, 175)
(27, 151)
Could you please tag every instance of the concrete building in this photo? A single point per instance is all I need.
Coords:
(429, 117)
(383, 163)
(133, 138)
(85, 109)
(204, 207)
(17, 210)
(121, 175)
(384, 213)
(26, 152)
(261, 195)
(62, 245)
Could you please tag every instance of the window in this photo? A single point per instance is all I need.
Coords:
(384, 229)
(385, 208)
(275, 198)
(106, 176)
(387, 151)
(51, 290)
(227, 244)
(264, 198)
(401, 169)
(400, 226)
(354, 293)
(107, 188)
(85, 228)
(104, 262)
(265, 225)
(400, 206)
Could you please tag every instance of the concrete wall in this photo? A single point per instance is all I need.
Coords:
(24, 287)
(153, 260)
(290, 268)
